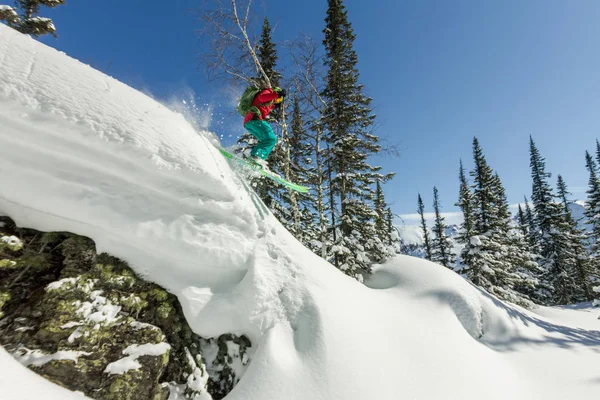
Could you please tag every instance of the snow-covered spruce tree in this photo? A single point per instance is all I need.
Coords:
(482, 190)
(532, 230)
(395, 240)
(465, 203)
(557, 259)
(592, 218)
(28, 20)
(383, 224)
(348, 119)
(597, 151)
(494, 259)
(520, 276)
(427, 242)
(575, 239)
(525, 226)
(300, 218)
(592, 208)
(522, 220)
(595, 260)
(267, 54)
(308, 82)
(441, 247)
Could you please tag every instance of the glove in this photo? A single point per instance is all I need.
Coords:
(281, 92)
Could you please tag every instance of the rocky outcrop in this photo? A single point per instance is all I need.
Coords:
(87, 322)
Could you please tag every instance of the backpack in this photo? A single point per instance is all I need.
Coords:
(245, 105)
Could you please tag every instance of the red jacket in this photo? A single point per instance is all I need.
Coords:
(264, 101)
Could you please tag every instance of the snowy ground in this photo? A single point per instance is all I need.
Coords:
(82, 152)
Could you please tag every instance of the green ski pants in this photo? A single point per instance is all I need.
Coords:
(262, 131)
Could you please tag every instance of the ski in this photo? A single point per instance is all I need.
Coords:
(256, 167)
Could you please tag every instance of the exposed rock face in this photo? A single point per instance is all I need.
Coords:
(87, 322)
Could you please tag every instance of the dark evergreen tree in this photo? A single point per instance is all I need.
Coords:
(592, 209)
(542, 197)
(592, 218)
(465, 203)
(296, 211)
(517, 282)
(595, 256)
(426, 241)
(557, 259)
(576, 248)
(597, 151)
(497, 257)
(395, 240)
(28, 20)
(386, 233)
(267, 54)
(348, 119)
(532, 236)
(441, 247)
(563, 194)
(483, 199)
(523, 226)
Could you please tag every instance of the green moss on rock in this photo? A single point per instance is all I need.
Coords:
(4, 298)
(57, 294)
(10, 243)
(8, 264)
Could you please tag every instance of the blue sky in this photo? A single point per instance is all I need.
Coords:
(440, 72)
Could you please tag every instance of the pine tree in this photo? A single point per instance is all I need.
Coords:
(348, 120)
(574, 237)
(532, 237)
(267, 54)
(592, 211)
(482, 260)
(523, 226)
(465, 203)
(427, 242)
(592, 218)
(597, 151)
(482, 190)
(386, 232)
(441, 248)
(556, 257)
(395, 240)
(542, 197)
(517, 282)
(28, 21)
(563, 193)
(296, 210)
(497, 258)
(595, 260)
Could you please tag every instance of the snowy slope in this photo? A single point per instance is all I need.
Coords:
(17, 382)
(82, 152)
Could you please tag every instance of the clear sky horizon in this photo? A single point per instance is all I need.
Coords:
(439, 72)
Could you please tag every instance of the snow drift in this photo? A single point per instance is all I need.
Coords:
(82, 152)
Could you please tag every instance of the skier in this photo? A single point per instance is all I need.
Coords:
(254, 121)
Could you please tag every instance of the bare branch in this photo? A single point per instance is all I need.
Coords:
(247, 14)
(304, 53)
(244, 33)
(231, 54)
